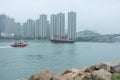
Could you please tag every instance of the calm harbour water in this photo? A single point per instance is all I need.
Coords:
(38, 56)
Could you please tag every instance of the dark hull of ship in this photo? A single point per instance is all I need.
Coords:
(62, 41)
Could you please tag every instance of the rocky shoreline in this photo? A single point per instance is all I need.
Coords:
(103, 71)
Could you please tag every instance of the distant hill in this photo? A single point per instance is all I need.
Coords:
(87, 33)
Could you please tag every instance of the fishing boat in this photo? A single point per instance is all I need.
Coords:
(19, 44)
(61, 39)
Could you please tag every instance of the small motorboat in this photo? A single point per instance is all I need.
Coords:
(19, 44)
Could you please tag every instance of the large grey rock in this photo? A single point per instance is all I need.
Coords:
(69, 74)
(85, 69)
(113, 63)
(83, 76)
(105, 67)
(74, 74)
(73, 71)
(102, 74)
(114, 66)
(89, 69)
(44, 75)
(59, 78)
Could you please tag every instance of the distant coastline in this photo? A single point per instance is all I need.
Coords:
(82, 36)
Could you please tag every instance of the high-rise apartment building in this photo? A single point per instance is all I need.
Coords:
(2, 23)
(24, 30)
(41, 26)
(71, 25)
(8, 25)
(48, 29)
(43, 23)
(60, 24)
(28, 28)
(17, 29)
(53, 25)
(36, 24)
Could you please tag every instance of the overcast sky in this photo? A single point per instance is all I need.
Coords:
(102, 16)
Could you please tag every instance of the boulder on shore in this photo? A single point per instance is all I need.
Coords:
(69, 74)
(102, 75)
(114, 66)
(44, 75)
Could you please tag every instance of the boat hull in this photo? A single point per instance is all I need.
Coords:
(21, 45)
(62, 41)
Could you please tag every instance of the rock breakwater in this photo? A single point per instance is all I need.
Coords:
(103, 71)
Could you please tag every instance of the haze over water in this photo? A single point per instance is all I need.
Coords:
(38, 56)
